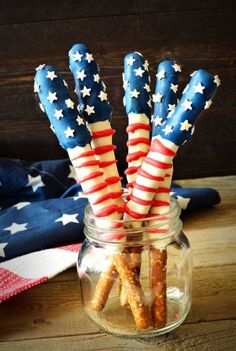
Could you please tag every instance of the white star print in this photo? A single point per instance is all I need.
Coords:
(68, 218)
(69, 103)
(58, 114)
(174, 87)
(96, 78)
(157, 97)
(89, 57)
(36, 87)
(146, 65)
(185, 125)
(176, 67)
(187, 105)
(207, 104)
(168, 129)
(217, 80)
(183, 202)
(69, 132)
(20, 205)
(41, 107)
(125, 82)
(40, 67)
(171, 107)
(147, 88)
(199, 88)
(79, 120)
(85, 91)
(15, 227)
(130, 60)
(51, 97)
(160, 75)
(158, 121)
(35, 182)
(139, 72)
(81, 75)
(77, 56)
(72, 173)
(51, 75)
(102, 96)
(2, 253)
(135, 93)
(89, 110)
(65, 84)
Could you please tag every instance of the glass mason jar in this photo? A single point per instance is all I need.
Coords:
(135, 275)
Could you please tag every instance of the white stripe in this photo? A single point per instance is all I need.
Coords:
(45, 263)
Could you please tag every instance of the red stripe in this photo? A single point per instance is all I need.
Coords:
(140, 201)
(104, 164)
(102, 133)
(131, 170)
(106, 211)
(157, 164)
(103, 149)
(138, 141)
(95, 188)
(83, 154)
(133, 127)
(90, 176)
(116, 194)
(149, 176)
(143, 187)
(158, 203)
(132, 213)
(158, 231)
(157, 146)
(88, 163)
(102, 198)
(129, 185)
(113, 180)
(163, 190)
(135, 156)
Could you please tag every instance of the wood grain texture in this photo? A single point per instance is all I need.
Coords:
(50, 316)
(197, 34)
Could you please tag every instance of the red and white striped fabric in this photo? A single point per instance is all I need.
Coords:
(24, 272)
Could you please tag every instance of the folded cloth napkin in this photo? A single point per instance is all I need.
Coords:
(41, 220)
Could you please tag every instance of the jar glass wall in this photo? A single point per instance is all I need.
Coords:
(135, 275)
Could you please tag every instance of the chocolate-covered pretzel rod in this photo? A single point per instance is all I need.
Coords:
(173, 133)
(137, 103)
(164, 100)
(96, 111)
(74, 136)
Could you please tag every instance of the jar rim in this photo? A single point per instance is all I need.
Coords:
(132, 227)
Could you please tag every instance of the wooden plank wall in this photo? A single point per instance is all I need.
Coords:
(199, 34)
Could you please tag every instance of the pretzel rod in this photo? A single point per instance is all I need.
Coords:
(164, 100)
(74, 136)
(137, 103)
(158, 162)
(96, 111)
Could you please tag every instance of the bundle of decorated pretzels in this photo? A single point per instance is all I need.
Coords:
(85, 132)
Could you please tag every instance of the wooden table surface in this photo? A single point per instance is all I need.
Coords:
(50, 316)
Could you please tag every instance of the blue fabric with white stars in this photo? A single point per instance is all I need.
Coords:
(178, 128)
(62, 112)
(165, 93)
(136, 85)
(41, 205)
(88, 85)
